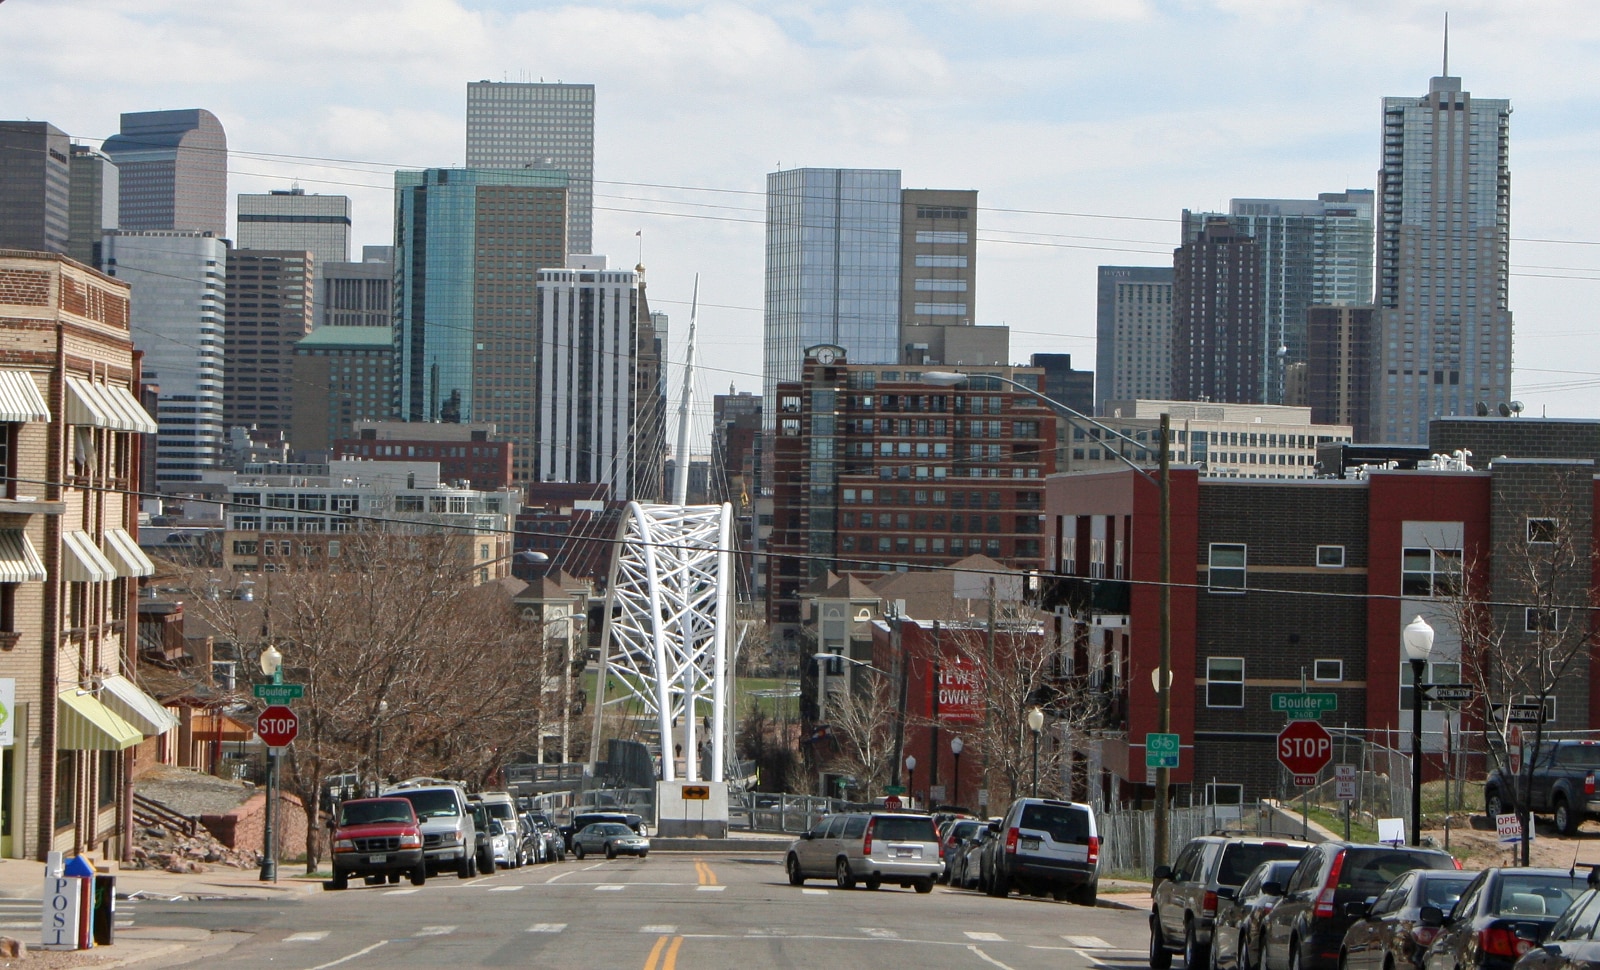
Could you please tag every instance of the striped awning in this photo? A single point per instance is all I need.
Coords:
(124, 553)
(18, 562)
(106, 406)
(20, 399)
(85, 724)
(81, 561)
(136, 707)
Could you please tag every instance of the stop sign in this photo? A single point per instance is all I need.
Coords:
(277, 726)
(1305, 747)
(892, 803)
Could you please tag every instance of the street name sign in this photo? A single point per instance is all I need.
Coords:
(1304, 706)
(280, 693)
(894, 789)
(277, 726)
(1305, 748)
(1161, 750)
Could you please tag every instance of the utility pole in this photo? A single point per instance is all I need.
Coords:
(901, 674)
(1164, 672)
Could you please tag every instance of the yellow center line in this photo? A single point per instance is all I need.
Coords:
(703, 871)
(655, 953)
(671, 962)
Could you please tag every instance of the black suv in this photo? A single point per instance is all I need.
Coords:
(1184, 895)
(1307, 926)
(1047, 846)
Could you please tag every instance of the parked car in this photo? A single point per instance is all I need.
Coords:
(1184, 895)
(869, 847)
(449, 832)
(502, 806)
(1047, 846)
(1305, 930)
(612, 838)
(589, 818)
(485, 856)
(379, 838)
(1500, 916)
(555, 847)
(955, 832)
(1562, 784)
(501, 844)
(968, 863)
(1236, 933)
(1570, 944)
(1391, 930)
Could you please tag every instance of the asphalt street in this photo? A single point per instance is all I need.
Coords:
(716, 912)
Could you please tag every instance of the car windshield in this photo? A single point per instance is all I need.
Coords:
(1445, 889)
(1370, 871)
(374, 813)
(499, 809)
(904, 828)
(963, 830)
(1535, 895)
(1241, 858)
(1063, 822)
(432, 804)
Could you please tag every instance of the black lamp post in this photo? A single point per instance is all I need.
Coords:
(955, 775)
(1036, 725)
(1418, 640)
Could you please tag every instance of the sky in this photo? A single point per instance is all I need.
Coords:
(1086, 126)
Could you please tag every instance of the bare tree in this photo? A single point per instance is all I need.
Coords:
(861, 717)
(1523, 613)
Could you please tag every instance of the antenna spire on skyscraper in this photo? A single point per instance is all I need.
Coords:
(1446, 44)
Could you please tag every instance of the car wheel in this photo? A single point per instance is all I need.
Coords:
(1294, 954)
(842, 875)
(1567, 821)
(1089, 895)
(873, 882)
(340, 880)
(1160, 957)
(487, 866)
(998, 886)
(1492, 805)
(611, 853)
(1194, 952)
(923, 885)
(796, 877)
(1242, 956)
(419, 875)
(577, 850)
(464, 868)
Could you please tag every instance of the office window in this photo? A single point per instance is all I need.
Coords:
(1330, 557)
(1328, 670)
(1541, 531)
(1225, 572)
(1430, 572)
(1224, 681)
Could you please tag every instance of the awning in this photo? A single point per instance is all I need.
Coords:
(124, 553)
(205, 727)
(88, 725)
(106, 406)
(136, 707)
(20, 399)
(18, 562)
(81, 561)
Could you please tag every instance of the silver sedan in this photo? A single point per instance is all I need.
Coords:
(612, 838)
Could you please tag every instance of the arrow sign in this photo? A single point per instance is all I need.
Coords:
(1448, 692)
(1161, 750)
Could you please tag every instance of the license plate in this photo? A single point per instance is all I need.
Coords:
(1030, 843)
(905, 853)
(380, 857)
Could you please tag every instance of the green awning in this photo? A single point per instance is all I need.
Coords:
(85, 724)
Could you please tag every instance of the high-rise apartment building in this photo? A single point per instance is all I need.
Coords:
(289, 219)
(600, 417)
(357, 294)
(342, 376)
(1313, 252)
(269, 311)
(551, 126)
(833, 269)
(1216, 317)
(179, 311)
(93, 203)
(938, 257)
(174, 169)
(1339, 368)
(35, 172)
(1133, 334)
(1444, 332)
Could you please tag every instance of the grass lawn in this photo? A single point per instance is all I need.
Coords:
(753, 693)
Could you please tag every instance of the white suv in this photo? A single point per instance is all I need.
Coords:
(449, 835)
(870, 847)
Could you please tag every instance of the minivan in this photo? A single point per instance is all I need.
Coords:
(870, 847)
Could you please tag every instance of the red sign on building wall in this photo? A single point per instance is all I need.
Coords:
(960, 691)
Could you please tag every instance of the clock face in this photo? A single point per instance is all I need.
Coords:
(826, 357)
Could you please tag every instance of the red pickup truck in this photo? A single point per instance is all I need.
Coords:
(377, 838)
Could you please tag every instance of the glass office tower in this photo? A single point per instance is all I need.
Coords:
(551, 126)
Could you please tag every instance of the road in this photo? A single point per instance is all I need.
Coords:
(717, 912)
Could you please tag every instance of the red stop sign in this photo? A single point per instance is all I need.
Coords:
(277, 726)
(892, 803)
(1305, 747)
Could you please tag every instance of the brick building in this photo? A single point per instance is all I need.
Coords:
(465, 452)
(876, 471)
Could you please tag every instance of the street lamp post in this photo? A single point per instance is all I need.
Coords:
(272, 666)
(1418, 640)
(911, 776)
(1163, 481)
(1036, 725)
(377, 757)
(955, 774)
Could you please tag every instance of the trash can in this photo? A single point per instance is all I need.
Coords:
(105, 909)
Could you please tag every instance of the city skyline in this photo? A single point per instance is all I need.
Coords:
(884, 90)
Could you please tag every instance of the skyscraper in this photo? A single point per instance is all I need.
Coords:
(174, 168)
(518, 125)
(357, 294)
(178, 315)
(1217, 349)
(1313, 252)
(469, 244)
(34, 175)
(1133, 335)
(269, 311)
(93, 204)
(1443, 340)
(599, 416)
(833, 269)
(289, 219)
(1339, 366)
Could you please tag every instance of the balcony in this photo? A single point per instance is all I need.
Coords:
(1098, 602)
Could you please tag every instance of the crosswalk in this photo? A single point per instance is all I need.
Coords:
(755, 932)
(27, 914)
